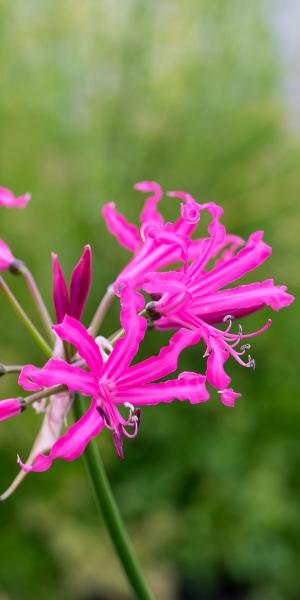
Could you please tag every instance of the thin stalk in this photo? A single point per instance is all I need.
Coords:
(101, 311)
(8, 369)
(35, 334)
(107, 504)
(38, 300)
(56, 389)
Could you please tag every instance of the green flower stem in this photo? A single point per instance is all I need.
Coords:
(25, 319)
(37, 299)
(111, 514)
(101, 311)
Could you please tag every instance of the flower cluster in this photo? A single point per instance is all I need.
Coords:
(175, 280)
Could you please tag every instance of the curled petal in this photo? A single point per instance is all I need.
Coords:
(217, 236)
(189, 386)
(10, 408)
(70, 330)
(80, 283)
(8, 199)
(190, 213)
(72, 444)
(59, 288)
(6, 257)
(150, 212)
(126, 233)
(57, 372)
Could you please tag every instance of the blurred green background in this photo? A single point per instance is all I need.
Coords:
(199, 96)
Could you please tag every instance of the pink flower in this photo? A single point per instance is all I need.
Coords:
(157, 244)
(194, 297)
(72, 304)
(6, 257)
(113, 383)
(8, 199)
(11, 408)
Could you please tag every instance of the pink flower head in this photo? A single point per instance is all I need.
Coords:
(11, 408)
(72, 304)
(8, 199)
(157, 244)
(195, 298)
(115, 383)
(7, 259)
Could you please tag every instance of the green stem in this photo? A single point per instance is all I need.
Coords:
(35, 334)
(111, 514)
(38, 300)
(101, 311)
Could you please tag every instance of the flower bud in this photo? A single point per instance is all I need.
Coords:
(80, 284)
(11, 408)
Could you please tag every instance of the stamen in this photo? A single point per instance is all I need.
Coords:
(228, 319)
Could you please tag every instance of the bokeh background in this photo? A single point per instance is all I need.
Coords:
(202, 96)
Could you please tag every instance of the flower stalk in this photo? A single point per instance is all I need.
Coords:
(101, 311)
(110, 511)
(10, 369)
(35, 334)
(38, 300)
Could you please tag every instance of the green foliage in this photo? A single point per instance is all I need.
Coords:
(95, 96)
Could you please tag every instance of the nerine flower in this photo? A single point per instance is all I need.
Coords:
(8, 199)
(157, 244)
(115, 383)
(72, 303)
(7, 259)
(195, 298)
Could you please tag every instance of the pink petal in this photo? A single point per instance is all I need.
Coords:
(189, 386)
(59, 288)
(228, 397)
(134, 326)
(241, 301)
(58, 372)
(161, 365)
(217, 236)
(81, 283)
(190, 213)
(150, 212)
(228, 247)
(10, 408)
(6, 257)
(247, 259)
(8, 199)
(70, 330)
(72, 444)
(127, 234)
(215, 373)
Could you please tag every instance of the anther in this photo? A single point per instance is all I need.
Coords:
(228, 318)
(246, 347)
